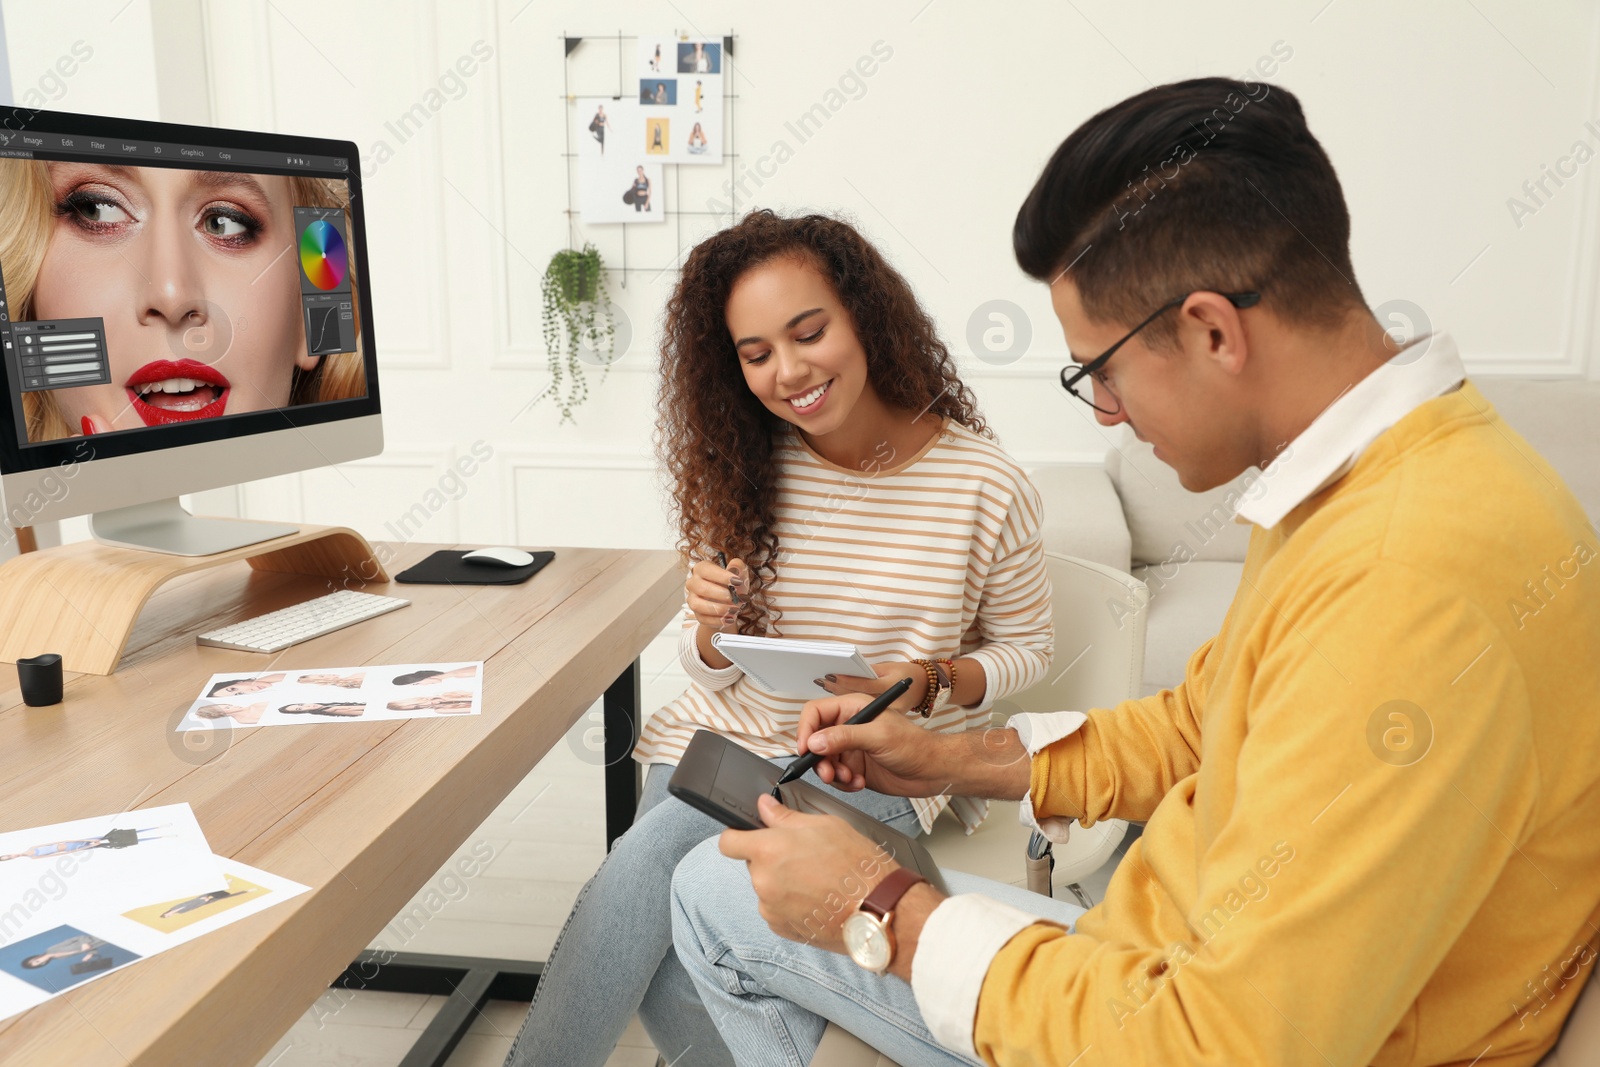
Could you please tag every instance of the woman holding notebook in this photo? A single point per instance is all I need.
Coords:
(821, 442)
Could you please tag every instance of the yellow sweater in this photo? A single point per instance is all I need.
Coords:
(1373, 804)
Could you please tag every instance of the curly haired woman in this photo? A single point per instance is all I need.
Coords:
(818, 436)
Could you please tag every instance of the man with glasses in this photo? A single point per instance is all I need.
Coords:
(1369, 806)
(1074, 379)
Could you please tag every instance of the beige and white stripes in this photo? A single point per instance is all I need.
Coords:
(935, 555)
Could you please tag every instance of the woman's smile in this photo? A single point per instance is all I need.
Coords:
(809, 403)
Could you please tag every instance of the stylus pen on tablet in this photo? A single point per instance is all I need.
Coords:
(866, 714)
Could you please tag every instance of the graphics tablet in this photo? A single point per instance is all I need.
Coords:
(724, 780)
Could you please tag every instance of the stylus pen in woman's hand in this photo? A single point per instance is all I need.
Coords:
(866, 714)
(722, 561)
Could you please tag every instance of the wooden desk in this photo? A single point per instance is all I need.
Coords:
(362, 813)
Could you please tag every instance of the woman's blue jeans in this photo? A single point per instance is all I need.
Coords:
(614, 957)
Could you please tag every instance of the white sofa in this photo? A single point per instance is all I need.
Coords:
(1133, 515)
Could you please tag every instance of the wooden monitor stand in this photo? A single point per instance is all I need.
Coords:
(81, 600)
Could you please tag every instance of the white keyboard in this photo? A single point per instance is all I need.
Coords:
(301, 622)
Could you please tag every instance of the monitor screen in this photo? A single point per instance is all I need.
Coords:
(164, 285)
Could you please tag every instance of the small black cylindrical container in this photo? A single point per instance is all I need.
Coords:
(40, 678)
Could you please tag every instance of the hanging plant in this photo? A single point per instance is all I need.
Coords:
(577, 312)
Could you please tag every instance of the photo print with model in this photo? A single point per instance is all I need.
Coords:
(658, 92)
(700, 57)
(58, 959)
(169, 916)
(619, 173)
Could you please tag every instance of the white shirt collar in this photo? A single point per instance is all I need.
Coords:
(1327, 449)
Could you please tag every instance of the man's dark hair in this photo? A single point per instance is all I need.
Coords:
(1210, 184)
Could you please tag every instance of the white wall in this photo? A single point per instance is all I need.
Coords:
(1435, 113)
(97, 56)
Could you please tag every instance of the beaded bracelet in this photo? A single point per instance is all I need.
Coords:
(926, 707)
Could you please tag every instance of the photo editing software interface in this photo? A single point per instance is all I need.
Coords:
(147, 284)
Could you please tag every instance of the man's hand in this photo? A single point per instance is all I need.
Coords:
(895, 755)
(808, 871)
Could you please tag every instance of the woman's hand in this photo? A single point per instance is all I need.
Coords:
(706, 592)
(93, 424)
(888, 673)
(891, 754)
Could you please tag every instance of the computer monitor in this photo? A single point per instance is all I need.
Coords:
(181, 309)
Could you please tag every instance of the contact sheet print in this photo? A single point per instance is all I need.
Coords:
(337, 694)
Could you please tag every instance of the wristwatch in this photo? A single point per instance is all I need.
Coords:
(868, 932)
(946, 671)
(941, 679)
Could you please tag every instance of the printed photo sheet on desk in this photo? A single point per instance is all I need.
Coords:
(312, 695)
(81, 899)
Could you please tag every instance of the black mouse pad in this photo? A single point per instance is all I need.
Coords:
(446, 567)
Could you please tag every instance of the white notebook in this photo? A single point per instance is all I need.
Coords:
(789, 668)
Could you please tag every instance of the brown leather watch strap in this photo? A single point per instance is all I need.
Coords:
(887, 893)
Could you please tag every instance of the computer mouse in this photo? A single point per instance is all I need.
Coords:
(499, 557)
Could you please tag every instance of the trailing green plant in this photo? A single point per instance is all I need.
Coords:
(577, 311)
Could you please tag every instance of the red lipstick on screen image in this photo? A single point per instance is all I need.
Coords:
(167, 391)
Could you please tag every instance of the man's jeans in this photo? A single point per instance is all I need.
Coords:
(771, 997)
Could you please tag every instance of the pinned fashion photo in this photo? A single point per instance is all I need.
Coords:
(699, 57)
(657, 136)
(658, 92)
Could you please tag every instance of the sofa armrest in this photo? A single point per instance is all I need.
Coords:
(1083, 515)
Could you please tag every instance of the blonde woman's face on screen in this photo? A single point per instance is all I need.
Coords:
(197, 279)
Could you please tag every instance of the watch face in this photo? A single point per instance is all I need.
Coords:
(867, 942)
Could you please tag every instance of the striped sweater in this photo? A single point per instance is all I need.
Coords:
(934, 555)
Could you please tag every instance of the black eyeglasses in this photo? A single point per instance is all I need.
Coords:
(1078, 387)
